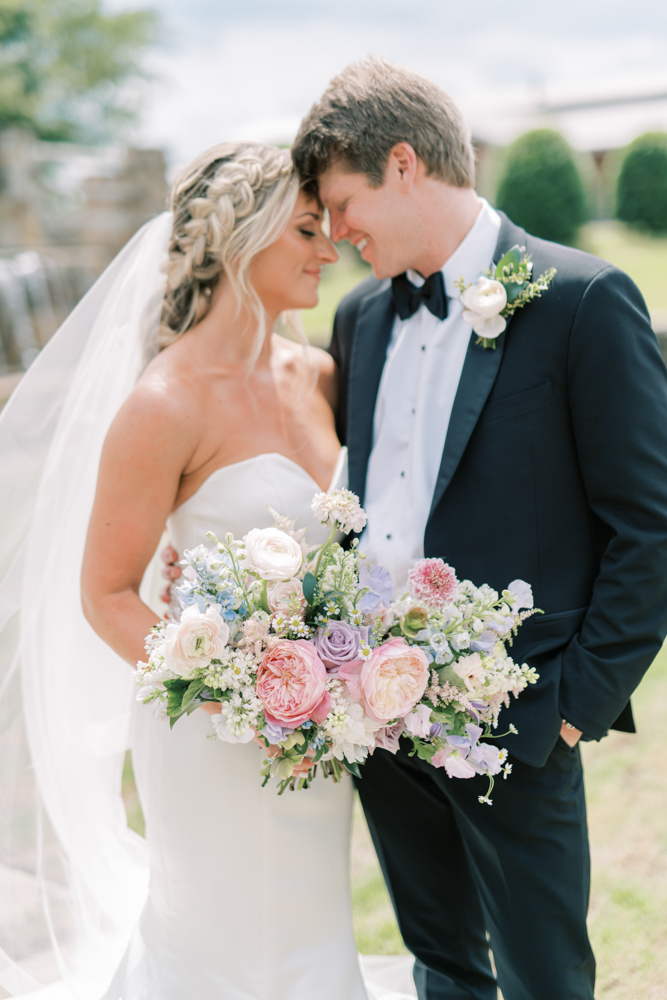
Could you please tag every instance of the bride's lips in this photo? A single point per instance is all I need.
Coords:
(362, 244)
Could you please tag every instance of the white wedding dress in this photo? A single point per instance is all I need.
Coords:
(249, 894)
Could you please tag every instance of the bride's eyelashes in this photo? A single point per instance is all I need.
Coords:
(306, 232)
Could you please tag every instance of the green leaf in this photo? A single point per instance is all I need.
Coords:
(514, 290)
(424, 750)
(309, 587)
(191, 693)
(353, 768)
(511, 259)
(448, 675)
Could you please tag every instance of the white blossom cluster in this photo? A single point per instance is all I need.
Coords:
(347, 728)
(340, 509)
(233, 672)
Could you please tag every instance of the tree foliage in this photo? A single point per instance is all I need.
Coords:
(541, 190)
(641, 194)
(64, 66)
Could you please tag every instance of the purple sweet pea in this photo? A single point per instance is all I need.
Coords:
(338, 643)
(484, 642)
(381, 591)
(486, 757)
(276, 734)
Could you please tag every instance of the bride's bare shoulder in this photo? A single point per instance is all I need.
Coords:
(308, 360)
(165, 403)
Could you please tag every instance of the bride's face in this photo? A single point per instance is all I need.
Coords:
(286, 274)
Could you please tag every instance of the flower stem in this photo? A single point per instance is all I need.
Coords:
(326, 545)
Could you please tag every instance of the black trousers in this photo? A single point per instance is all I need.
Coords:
(455, 869)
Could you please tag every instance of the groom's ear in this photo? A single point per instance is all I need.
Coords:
(402, 166)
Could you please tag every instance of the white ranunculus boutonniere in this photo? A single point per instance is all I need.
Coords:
(493, 297)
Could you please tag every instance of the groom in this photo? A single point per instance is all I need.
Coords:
(545, 459)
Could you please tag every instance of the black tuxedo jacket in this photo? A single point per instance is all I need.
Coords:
(554, 470)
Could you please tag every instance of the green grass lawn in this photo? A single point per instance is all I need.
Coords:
(643, 257)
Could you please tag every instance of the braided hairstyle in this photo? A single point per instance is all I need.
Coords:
(228, 204)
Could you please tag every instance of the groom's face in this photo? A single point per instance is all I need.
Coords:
(376, 220)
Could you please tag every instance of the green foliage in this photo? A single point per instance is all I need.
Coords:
(63, 64)
(641, 194)
(541, 189)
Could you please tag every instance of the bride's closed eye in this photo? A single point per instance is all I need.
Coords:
(307, 232)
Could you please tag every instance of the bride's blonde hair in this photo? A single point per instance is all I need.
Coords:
(228, 204)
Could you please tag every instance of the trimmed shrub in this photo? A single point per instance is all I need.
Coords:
(641, 193)
(541, 190)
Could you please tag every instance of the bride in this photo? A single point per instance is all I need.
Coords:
(248, 892)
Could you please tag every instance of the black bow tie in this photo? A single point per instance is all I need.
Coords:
(408, 298)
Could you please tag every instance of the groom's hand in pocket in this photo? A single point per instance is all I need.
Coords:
(570, 734)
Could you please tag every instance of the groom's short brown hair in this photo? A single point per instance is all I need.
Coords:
(371, 106)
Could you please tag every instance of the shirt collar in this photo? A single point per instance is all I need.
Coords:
(473, 255)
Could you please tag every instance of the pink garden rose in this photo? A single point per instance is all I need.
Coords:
(291, 684)
(393, 679)
(432, 581)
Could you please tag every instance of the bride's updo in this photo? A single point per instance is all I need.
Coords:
(228, 204)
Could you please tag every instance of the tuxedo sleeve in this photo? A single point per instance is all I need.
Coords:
(617, 385)
(339, 349)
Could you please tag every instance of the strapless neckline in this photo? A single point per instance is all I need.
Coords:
(256, 458)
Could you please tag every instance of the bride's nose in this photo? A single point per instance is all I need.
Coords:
(326, 252)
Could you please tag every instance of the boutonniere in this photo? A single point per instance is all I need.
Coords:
(493, 297)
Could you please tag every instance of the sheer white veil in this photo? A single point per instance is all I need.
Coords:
(73, 878)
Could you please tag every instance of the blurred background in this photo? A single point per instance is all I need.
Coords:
(101, 103)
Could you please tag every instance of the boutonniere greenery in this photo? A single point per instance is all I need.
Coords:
(493, 297)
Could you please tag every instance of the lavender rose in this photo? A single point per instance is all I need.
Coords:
(338, 643)
(388, 737)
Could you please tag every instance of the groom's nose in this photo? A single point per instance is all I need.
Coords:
(339, 227)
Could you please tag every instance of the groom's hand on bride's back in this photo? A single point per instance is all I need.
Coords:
(170, 571)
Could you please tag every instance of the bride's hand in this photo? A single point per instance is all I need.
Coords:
(211, 707)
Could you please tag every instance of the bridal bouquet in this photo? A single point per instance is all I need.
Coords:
(305, 649)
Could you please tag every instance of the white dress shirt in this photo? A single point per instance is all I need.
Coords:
(424, 362)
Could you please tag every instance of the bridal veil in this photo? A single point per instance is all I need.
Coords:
(73, 878)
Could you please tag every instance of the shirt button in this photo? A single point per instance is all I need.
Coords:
(423, 347)
(402, 473)
(412, 410)
(389, 537)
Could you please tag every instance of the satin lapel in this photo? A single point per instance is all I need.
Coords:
(369, 351)
(480, 368)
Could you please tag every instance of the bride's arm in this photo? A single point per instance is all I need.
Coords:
(148, 446)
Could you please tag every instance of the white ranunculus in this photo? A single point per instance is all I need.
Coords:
(483, 302)
(283, 596)
(196, 640)
(272, 554)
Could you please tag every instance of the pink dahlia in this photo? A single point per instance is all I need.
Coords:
(432, 581)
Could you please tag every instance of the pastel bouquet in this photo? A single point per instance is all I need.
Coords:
(306, 650)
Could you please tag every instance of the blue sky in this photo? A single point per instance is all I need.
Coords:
(251, 68)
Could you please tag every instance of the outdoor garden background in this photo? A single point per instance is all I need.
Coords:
(81, 170)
